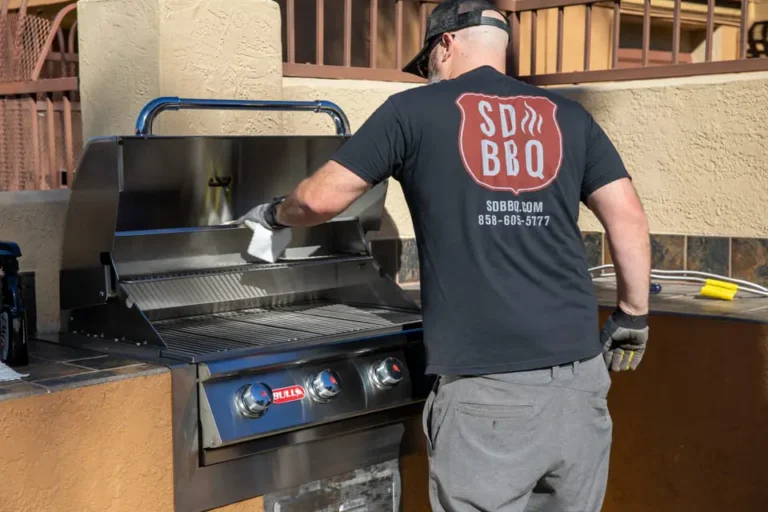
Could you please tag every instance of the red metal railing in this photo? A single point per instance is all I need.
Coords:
(371, 31)
(369, 39)
(40, 134)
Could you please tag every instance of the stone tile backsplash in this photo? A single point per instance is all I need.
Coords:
(749, 259)
(743, 258)
(708, 254)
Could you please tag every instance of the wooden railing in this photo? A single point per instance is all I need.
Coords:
(40, 134)
(372, 39)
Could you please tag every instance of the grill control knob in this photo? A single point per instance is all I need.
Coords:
(324, 386)
(387, 373)
(253, 400)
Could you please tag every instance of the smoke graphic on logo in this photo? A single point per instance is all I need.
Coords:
(530, 119)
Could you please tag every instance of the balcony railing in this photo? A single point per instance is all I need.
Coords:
(40, 127)
(553, 41)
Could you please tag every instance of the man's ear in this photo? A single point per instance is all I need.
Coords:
(449, 45)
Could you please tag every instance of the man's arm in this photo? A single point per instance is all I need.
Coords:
(322, 196)
(372, 155)
(618, 209)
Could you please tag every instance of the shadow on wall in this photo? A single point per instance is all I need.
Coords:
(397, 257)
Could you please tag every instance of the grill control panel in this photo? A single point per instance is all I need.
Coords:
(248, 406)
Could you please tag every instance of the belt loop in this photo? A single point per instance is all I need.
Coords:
(576, 365)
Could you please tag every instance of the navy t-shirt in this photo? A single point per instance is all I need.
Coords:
(493, 171)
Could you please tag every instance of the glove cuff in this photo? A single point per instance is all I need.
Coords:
(270, 215)
(627, 321)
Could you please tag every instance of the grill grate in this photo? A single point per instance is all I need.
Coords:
(269, 327)
(296, 321)
(374, 316)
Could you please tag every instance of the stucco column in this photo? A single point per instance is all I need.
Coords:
(132, 52)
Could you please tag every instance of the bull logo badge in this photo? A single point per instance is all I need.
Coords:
(510, 143)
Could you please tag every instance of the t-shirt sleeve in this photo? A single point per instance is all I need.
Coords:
(604, 164)
(377, 150)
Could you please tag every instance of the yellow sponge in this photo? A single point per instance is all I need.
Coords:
(721, 284)
(716, 292)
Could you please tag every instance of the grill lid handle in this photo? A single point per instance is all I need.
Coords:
(153, 108)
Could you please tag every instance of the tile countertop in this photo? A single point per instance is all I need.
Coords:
(676, 299)
(54, 367)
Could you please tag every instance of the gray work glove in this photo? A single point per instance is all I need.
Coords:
(264, 214)
(624, 338)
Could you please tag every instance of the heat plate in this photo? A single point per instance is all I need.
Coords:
(250, 328)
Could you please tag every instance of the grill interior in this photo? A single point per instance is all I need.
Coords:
(221, 332)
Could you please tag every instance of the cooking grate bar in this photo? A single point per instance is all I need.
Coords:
(300, 322)
(196, 342)
(344, 312)
(238, 331)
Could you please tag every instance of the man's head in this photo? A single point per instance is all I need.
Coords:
(461, 35)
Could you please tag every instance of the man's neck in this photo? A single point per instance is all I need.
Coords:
(461, 70)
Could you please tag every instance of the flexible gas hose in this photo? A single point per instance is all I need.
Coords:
(715, 285)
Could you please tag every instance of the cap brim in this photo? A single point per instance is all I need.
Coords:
(413, 66)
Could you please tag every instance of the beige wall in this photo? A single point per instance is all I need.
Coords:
(696, 148)
(132, 52)
(35, 220)
(93, 448)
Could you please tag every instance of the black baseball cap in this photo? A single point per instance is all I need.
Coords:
(448, 16)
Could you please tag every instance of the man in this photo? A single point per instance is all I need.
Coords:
(493, 171)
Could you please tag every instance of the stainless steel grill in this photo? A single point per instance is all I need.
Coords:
(315, 357)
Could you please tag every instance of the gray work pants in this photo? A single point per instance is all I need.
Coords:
(526, 441)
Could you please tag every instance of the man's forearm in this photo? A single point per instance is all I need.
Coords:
(321, 197)
(296, 213)
(631, 253)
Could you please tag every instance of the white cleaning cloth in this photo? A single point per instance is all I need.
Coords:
(267, 245)
(8, 373)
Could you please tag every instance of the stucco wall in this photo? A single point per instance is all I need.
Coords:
(696, 147)
(103, 447)
(132, 52)
(35, 220)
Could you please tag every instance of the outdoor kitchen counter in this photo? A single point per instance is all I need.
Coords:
(55, 367)
(689, 424)
(86, 431)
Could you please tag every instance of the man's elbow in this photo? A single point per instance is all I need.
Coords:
(637, 218)
(629, 228)
(322, 209)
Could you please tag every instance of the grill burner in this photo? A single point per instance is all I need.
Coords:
(221, 332)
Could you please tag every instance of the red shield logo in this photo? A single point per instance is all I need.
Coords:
(289, 394)
(510, 143)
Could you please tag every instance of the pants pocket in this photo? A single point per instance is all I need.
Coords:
(495, 411)
(601, 416)
(426, 418)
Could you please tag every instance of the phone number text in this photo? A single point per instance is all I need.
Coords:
(513, 220)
